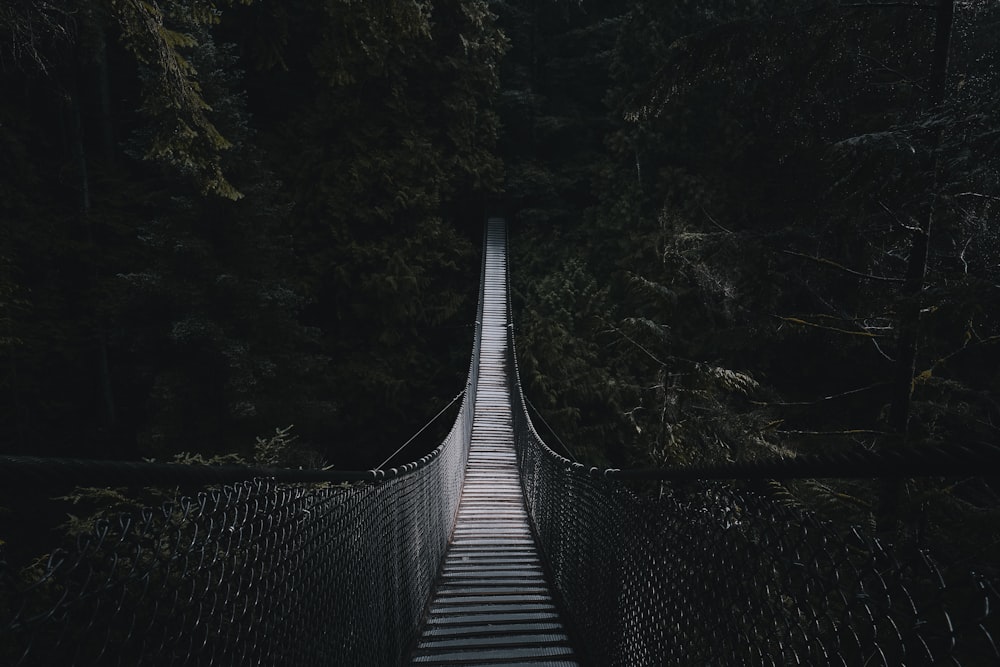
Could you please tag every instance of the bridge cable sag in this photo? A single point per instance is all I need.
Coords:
(422, 429)
(311, 567)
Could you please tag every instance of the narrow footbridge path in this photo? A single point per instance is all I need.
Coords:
(492, 604)
(493, 549)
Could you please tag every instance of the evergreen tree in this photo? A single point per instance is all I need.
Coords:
(399, 127)
(115, 259)
(163, 289)
(757, 197)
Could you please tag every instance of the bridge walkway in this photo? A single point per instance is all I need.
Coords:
(492, 604)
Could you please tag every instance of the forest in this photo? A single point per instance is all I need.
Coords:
(739, 229)
(225, 219)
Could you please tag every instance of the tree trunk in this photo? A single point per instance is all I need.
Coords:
(909, 317)
(104, 94)
(109, 417)
(79, 153)
(916, 270)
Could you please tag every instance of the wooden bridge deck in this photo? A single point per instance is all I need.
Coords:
(492, 604)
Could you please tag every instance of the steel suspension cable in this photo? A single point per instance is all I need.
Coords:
(555, 435)
(227, 565)
(422, 429)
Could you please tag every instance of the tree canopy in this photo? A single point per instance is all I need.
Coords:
(223, 218)
(741, 229)
(782, 240)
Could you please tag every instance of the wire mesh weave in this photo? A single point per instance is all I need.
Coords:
(258, 572)
(252, 573)
(709, 574)
(264, 572)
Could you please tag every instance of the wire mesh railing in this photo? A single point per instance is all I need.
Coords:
(252, 573)
(713, 572)
(251, 567)
(278, 567)
(258, 572)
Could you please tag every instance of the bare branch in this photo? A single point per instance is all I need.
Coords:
(882, 352)
(965, 345)
(884, 5)
(825, 398)
(902, 76)
(796, 320)
(909, 228)
(853, 320)
(714, 221)
(874, 341)
(841, 267)
(976, 194)
(961, 255)
(853, 431)
(634, 342)
(985, 341)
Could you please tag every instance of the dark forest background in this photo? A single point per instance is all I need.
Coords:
(225, 218)
(759, 228)
(740, 229)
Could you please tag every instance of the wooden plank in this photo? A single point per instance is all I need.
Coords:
(492, 604)
(478, 655)
(505, 640)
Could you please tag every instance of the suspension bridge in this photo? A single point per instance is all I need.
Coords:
(491, 550)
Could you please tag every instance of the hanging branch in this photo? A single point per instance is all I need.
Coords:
(895, 218)
(633, 341)
(714, 221)
(853, 431)
(796, 320)
(832, 397)
(883, 5)
(840, 267)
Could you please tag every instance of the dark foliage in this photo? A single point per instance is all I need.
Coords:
(222, 218)
(744, 275)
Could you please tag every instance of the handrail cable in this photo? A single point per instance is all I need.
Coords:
(707, 572)
(925, 461)
(555, 435)
(39, 472)
(422, 429)
(227, 565)
(958, 460)
(264, 570)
